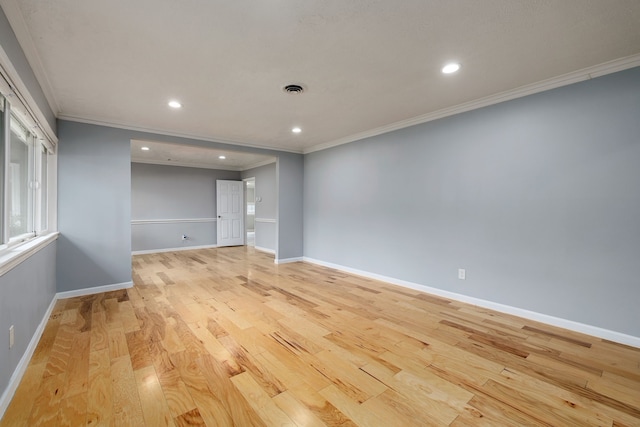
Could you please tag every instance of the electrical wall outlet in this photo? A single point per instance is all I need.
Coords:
(12, 336)
(462, 274)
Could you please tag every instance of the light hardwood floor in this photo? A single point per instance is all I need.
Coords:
(225, 337)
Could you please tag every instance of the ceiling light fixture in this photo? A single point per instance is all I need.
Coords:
(451, 68)
(144, 148)
(175, 104)
(296, 130)
(222, 157)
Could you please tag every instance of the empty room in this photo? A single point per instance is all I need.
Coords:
(310, 213)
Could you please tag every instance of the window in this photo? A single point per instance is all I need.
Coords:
(43, 196)
(20, 195)
(3, 133)
(24, 163)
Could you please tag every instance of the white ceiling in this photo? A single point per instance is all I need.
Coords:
(367, 65)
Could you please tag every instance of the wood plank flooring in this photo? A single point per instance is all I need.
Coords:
(222, 337)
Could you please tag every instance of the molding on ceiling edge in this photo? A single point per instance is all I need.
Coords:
(16, 19)
(162, 132)
(187, 165)
(19, 26)
(530, 89)
(203, 165)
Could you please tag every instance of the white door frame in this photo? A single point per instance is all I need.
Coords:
(244, 183)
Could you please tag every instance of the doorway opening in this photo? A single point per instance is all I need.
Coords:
(250, 211)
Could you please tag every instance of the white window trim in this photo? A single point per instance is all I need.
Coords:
(22, 238)
(11, 256)
(20, 248)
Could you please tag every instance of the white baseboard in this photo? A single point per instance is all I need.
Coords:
(18, 373)
(261, 249)
(287, 260)
(16, 377)
(95, 290)
(527, 314)
(181, 248)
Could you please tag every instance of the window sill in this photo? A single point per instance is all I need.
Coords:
(13, 256)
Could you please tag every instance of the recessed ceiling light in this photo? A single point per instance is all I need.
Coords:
(144, 148)
(296, 130)
(175, 104)
(451, 68)
(222, 157)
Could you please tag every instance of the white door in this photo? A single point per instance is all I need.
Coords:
(230, 209)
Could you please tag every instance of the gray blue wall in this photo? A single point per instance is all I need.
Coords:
(267, 208)
(289, 182)
(537, 198)
(94, 206)
(94, 202)
(94, 213)
(250, 197)
(26, 291)
(180, 194)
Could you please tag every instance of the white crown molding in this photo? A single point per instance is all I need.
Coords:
(187, 165)
(614, 66)
(503, 308)
(203, 165)
(116, 125)
(14, 14)
(19, 26)
(552, 83)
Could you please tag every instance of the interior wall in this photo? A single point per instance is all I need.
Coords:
(537, 198)
(94, 206)
(94, 210)
(266, 208)
(26, 291)
(251, 200)
(170, 201)
(289, 226)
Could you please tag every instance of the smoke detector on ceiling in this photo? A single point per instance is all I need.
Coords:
(293, 89)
